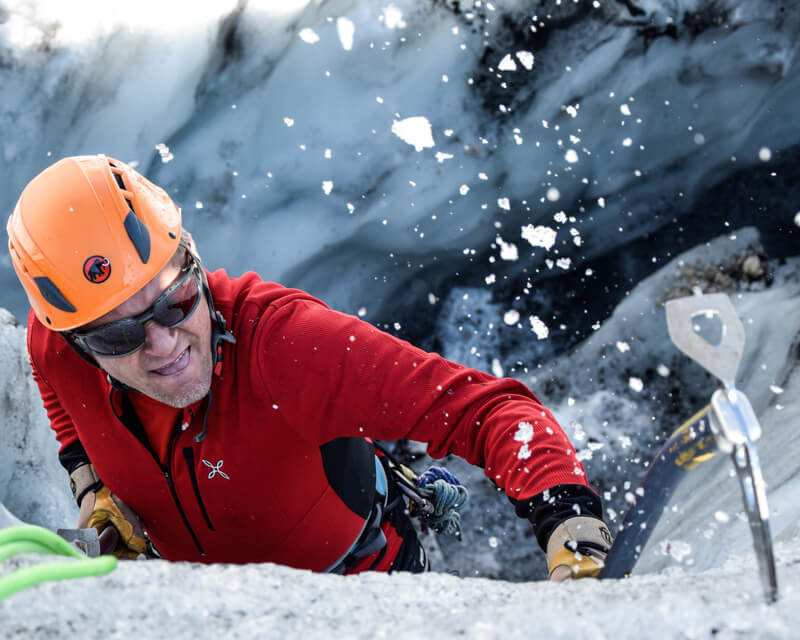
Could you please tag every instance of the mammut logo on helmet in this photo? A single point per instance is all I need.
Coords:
(97, 269)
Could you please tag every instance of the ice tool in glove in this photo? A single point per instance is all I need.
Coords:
(100, 509)
(577, 548)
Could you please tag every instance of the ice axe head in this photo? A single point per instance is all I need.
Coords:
(91, 543)
(722, 359)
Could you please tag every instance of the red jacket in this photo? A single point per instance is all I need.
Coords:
(284, 472)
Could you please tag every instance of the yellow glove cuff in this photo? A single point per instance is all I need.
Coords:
(580, 566)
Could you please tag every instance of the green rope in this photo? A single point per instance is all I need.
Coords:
(33, 539)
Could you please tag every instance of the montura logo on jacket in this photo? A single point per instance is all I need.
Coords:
(216, 469)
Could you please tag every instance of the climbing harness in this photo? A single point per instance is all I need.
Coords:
(33, 539)
(434, 497)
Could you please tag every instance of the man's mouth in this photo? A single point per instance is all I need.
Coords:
(176, 366)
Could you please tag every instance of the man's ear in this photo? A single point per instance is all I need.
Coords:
(188, 242)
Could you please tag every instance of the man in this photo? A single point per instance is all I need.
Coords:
(218, 419)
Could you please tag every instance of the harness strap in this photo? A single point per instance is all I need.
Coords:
(371, 538)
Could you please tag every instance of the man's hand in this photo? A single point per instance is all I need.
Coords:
(577, 548)
(100, 508)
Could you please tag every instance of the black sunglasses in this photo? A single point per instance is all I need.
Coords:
(126, 336)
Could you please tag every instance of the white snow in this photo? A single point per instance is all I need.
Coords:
(416, 131)
(539, 236)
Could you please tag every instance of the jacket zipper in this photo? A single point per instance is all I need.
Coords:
(188, 455)
(164, 469)
(174, 492)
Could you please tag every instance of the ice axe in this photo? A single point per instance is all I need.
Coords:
(728, 424)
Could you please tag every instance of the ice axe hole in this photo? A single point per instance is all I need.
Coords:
(709, 326)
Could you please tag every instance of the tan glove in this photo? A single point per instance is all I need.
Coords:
(100, 508)
(577, 548)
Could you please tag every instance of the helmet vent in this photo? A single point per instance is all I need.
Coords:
(119, 180)
(121, 184)
(52, 295)
(139, 235)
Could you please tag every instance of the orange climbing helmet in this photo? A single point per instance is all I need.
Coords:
(86, 234)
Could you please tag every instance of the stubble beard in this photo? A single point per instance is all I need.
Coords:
(188, 394)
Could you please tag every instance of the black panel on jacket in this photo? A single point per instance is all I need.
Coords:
(550, 508)
(73, 456)
(349, 465)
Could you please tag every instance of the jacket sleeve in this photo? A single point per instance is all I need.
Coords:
(328, 375)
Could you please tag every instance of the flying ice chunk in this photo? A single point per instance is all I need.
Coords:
(526, 58)
(511, 317)
(571, 156)
(346, 30)
(198, 204)
(678, 549)
(539, 328)
(524, 432)
(164, 152)
(441, 157)
(560, 217)
(503, 203)
(625, 109)
(553, 194)
(540, 236)
(416, 131)
(508, 250)
(564, 263)
(327, 187)
(636, 384)
(289, 122)
(601, 202)
(507, 63)
(393, 17)
(623, 346)
(309, 35)
(497, 368)
(463, 189)
(764, 154)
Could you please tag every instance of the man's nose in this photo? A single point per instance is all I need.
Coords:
(158, 338)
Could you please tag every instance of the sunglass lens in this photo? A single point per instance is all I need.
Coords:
(116, 339)
(179, 305)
